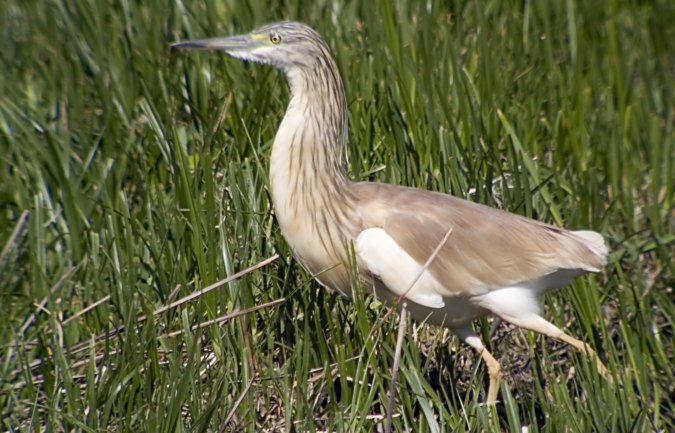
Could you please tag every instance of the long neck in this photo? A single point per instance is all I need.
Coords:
(314, 130)
(306, 166)
(309, 186)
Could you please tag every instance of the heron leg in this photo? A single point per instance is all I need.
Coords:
(536, 323)
(494, 370)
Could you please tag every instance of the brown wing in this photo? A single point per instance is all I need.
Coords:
(487, 249)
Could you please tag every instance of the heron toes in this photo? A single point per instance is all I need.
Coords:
(604, 371)
(600, 366)
(586, 350)
(494, 369)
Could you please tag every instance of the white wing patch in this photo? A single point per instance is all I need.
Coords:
(397, 270)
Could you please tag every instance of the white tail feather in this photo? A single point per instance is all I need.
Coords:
(595, 242)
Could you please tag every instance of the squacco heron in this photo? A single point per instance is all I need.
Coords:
(493, 262)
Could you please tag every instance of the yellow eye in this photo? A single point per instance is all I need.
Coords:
(275, 38)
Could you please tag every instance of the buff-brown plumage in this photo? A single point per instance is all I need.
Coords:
(493, 261)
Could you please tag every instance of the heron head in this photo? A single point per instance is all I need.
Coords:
(286, 45)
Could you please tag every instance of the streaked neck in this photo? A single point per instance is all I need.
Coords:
(312, 196)
(306, 169)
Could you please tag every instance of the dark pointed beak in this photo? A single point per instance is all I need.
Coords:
(227, 44)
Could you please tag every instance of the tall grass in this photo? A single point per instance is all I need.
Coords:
(131, 177)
